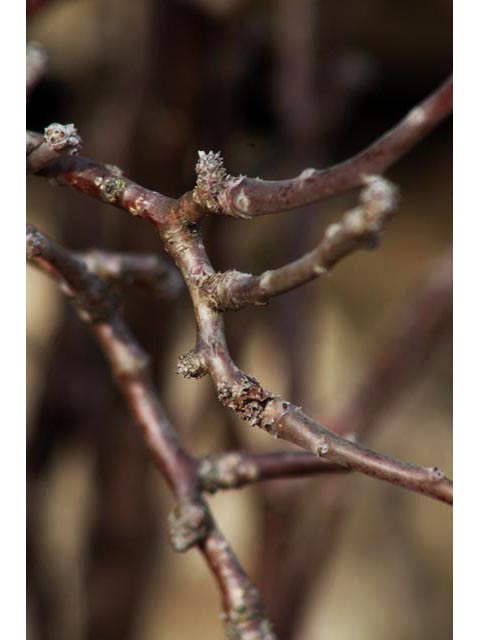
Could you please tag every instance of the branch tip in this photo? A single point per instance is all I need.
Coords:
(63, 136)
(189, 523)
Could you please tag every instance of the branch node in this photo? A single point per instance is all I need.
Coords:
(191, 365)
(189, 523)
(60, 137)
(323, 449)
(214, 183)
(247, 398)
(227, 471)
(436, 474)
(112, 188)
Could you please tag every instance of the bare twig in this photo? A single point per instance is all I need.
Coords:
(58, 139)
(104, 182)
(147, 271)
(249, 197)
(191, 523)
(359, 228)
(36, 65)
(177, 223)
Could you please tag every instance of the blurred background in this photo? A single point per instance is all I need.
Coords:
(276, 86)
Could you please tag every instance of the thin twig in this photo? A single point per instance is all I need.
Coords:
(146, 271)
(177, 224)
(58, 139)
(359, 228)
(237, 468)
(246, 197)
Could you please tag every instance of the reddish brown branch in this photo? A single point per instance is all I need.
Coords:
(105, 183)
(237, 469)
(191, 523)
(36, 65)
(359, 228)
(249, 197)
(244, 395)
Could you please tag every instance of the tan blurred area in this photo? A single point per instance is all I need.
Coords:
(276, 86)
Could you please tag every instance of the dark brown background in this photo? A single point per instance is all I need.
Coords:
(276, 86)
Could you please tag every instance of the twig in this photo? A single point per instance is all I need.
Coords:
(191, 523)
(147, 271)
(246, 197)
(105, 183)
(237, 469)
(359, 228)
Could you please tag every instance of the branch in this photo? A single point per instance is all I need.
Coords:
(191, 523)
(237, 469)
(58, 139)
(105, 182)
(244, 395)
(359, 228)
(147, 271)
(246, 197)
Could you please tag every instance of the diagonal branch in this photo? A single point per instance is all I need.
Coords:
(246, 197)
(359, 228)
(191, 523)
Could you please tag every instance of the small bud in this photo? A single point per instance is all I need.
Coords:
(63, 136)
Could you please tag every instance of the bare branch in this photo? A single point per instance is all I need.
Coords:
(359, 228)
(58, 139)
(104, 182)
(237, 469)
(249, 197)
(244, 395)
(176, 223)
(191, 523)
(147, 271)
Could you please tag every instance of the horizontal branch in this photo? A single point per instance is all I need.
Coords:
(359, 228)
(237, 469)
(249, 197)
(146, 271)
